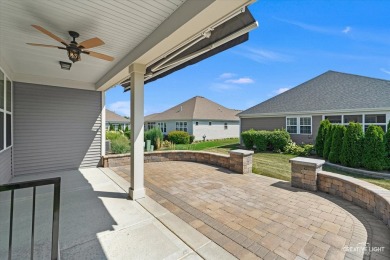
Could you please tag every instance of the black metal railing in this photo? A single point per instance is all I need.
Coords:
(56, 212)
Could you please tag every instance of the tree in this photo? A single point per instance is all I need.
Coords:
(337, 143)
(374, 152)
(328, 141)
(119, 127)
(351, 151)
(320, 140)
(112, 127)
(387, 145)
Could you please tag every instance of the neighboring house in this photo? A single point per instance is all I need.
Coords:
(198, 116)
(339, 97)
(116, 120)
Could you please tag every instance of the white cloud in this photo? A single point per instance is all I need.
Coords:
(385, 71)
(263, 56)
(120, 107)
(346, 30)
(244, 80)
(281, 90)
(220, 87)
(226, 75)
(305, 26)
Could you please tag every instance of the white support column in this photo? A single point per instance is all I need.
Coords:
(137, 189)
(103, 126)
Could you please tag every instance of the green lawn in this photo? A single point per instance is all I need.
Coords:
(271, 164)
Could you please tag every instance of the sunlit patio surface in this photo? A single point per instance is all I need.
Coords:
(253, 216)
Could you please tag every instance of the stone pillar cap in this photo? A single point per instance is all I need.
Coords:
(242, 152)
(307, 161)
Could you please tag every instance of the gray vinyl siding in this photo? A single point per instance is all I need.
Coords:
(55, 128)
(5, 166)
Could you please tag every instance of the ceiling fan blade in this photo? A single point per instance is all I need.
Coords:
(99, 55)
(45, 45)
(51, 35)
(91, 43)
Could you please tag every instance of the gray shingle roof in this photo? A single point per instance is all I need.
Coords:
(329, 91)
(196, 108)
(115, 118)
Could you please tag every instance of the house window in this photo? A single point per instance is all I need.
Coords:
(298, 125)
(334, 119)
(150, 125)
(196, 123)
(5, 112)
(162, 126)
(305, 125)
(353, 118)
(210, 123)
(225, 126)
(181, 126)
(292, 125)
(375, 119)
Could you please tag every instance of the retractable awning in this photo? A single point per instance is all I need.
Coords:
(227, 33)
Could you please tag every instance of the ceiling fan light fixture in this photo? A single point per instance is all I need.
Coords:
(65, 65)
(74, 54)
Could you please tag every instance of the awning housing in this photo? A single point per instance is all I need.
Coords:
(225, 35)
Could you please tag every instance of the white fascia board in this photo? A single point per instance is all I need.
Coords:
(41, 80)
(300, 113)
(191, 18)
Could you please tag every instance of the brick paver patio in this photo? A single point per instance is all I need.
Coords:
(253, 216)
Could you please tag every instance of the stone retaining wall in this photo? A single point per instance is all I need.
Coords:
(364, 194)
(238, 161)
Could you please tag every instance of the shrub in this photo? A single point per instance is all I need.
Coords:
(247, 138)
(374, 152)
(328, 141)
(119, 127)
(192, 138)
(260, 140)
(387, 146)
(337, 143)
(320, 139)
(112, 128)
(112, 135)
(179, 137)
(155, 136)
(352, 146)
(278, 139)
(300, 150)
(120, 145)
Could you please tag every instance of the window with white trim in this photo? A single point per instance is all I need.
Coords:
(375, 119)
(150, 125)
(5, 112)
(162, 126)
(299, 125)
(292, 125)
(181, 126)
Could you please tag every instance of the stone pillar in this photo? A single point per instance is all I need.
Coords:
(241, 161)
(304, 172)
(137, 189)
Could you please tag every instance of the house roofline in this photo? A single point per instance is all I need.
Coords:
(192, 119)
(319, 112)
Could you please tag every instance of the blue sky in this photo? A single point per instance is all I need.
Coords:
(295, 41)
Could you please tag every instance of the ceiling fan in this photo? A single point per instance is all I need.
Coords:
(73, 48)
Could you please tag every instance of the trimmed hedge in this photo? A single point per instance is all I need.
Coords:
(112, 128)
(275, 140)
(155, 136)
(351, 151)
(192, 138)
(374, 152)
(179, 137)
(337, 143)
(328, 141)
(248, 139)
(320, 139)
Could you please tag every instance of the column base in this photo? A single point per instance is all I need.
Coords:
(136, 194)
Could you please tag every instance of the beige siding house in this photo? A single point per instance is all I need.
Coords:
(114, 119)
(338, 97)
(198, 116)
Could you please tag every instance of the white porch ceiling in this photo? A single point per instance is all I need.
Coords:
(133, 31)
